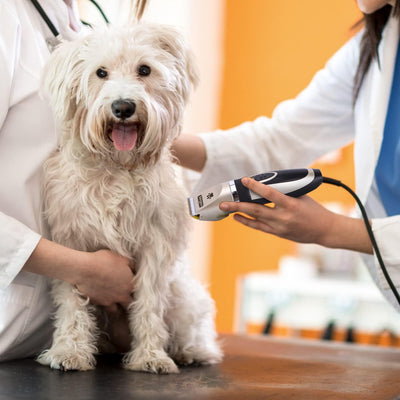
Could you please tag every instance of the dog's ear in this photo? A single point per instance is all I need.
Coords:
(173, 41)
(60, 79)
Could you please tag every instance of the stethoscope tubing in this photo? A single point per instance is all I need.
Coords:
(50, 24)
(100, 10)
(46, 18)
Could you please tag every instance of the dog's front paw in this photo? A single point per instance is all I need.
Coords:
(157, 363)
(67, 360)
(198, 356)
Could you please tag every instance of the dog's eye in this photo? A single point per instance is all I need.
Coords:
(101, 73)
(144, 70)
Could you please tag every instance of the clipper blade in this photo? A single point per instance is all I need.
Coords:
(192, 208)
(205, 205)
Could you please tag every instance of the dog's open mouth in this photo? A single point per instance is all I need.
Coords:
(123, 135)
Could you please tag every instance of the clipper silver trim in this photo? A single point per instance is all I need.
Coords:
(192, 207)
(235, 195)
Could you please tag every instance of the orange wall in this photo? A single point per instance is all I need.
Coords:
(272, 50)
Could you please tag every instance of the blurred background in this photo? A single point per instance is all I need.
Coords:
(252, 55)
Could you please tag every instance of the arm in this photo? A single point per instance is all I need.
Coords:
(300, 219)
(105, 277)
(189, 152)
(320, 119)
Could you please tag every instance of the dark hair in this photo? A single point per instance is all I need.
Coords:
(374, 24)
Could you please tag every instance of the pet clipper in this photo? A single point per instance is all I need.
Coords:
(292, 182)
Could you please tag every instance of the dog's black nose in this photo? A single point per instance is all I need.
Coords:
(123, 108)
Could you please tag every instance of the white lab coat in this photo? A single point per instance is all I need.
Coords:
(318, 120)
(27, 136)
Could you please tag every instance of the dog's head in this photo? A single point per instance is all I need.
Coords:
(121, 93)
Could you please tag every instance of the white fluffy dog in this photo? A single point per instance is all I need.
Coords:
(118, 98)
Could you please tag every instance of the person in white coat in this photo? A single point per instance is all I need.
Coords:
(27, 136)
(351, 98)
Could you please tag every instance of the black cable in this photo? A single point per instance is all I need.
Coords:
(46, 19)
(370, 233)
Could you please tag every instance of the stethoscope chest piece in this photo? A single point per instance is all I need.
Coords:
(53, 42)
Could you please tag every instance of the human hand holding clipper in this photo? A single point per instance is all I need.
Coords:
(302, 219)
(293, 216)
(292, 182)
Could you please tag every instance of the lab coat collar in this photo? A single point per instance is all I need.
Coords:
(381, 84)
(31, 42)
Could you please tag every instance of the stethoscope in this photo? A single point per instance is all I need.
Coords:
(57, 39)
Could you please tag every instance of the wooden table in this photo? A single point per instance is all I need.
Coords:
(253, 368)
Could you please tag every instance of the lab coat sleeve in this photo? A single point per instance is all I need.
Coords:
(317, 121)
(387, 235)
(17, 241)
(9, 32)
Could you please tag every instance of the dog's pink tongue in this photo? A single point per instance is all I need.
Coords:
(124, 136)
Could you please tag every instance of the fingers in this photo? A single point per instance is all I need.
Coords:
(253, 223)
(265, 191)
(298, 219)
(257, 216)
(253, 209)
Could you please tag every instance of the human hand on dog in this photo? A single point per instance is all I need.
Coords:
(106, 279)
(302, 220)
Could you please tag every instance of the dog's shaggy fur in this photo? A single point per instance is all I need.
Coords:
(118, 98)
